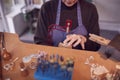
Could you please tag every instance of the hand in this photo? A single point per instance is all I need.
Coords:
(75, 39)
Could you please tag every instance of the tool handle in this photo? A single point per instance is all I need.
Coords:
(99, 39)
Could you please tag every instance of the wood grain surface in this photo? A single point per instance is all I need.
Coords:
(20, 49)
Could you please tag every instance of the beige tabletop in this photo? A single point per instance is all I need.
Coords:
(20, 49)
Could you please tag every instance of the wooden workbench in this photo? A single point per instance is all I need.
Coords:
(20, 49)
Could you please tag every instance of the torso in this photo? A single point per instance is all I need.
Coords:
(72, 14)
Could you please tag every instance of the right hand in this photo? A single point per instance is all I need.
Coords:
(75, 39)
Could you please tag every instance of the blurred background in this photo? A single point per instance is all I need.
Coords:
(20, 16)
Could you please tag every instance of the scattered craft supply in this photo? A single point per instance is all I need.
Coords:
(26, 59)
(10, 65)
(24, 70)
(53, 66)
(95, 69)
(99, 72)
(33, 65)
(6, 55)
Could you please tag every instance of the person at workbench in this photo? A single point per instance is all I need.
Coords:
(67, 21)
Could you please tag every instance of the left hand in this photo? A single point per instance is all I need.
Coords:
(75, 39)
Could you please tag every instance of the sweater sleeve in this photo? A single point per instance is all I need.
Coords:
(94, 29)
(41, 30)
